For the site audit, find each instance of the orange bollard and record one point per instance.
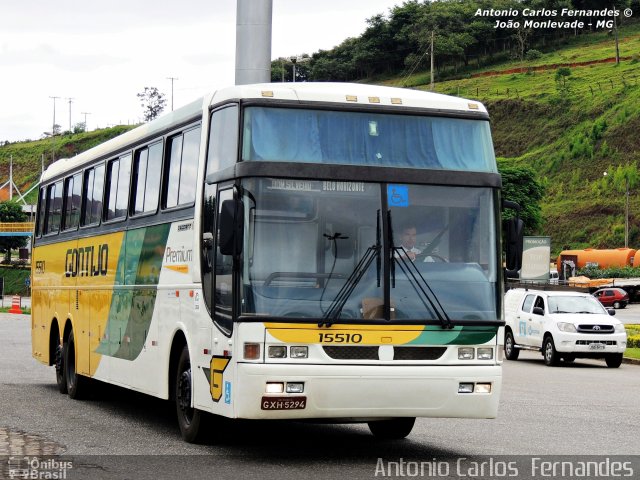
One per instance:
(15, 305)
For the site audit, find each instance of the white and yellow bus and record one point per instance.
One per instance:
(247, 256)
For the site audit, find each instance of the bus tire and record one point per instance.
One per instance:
(77, 385)
(191, 420)
(393, 429)
(510, 350)
(61, 375)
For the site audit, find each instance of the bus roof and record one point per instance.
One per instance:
(336, 93)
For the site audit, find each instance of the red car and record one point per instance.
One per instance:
(612, 297)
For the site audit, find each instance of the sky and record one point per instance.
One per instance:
(101, 54)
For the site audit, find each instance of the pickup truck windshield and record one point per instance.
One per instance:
(316, 249)
(571, 304)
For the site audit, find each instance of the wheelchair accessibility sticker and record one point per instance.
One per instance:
(398, 195)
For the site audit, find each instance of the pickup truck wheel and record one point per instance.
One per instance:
(614, 360)
(550, 353)
(510, 350)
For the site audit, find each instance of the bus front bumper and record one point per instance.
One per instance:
(366, 391)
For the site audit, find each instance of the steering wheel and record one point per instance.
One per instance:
(422, 256)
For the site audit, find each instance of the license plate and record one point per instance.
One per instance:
(596, 346)
(283, 403)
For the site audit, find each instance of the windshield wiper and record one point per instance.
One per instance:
(351, 283)
(422, 288)
(420, 285)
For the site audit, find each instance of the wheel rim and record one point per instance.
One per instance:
(184, 396)
(548, 351)
(508, 344)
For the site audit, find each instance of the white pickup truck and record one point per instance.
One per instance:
(562, 325)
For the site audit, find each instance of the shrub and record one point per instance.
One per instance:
(633, 341)
(533, 54)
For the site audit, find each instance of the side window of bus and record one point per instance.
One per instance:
(223, 139)
(146, 179)
(92, 195)
(72, 196)
(54, 208)
(118, 177)
(41, 211)
(223, 293)
(182, 168)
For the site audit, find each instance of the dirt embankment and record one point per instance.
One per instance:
(541, 68)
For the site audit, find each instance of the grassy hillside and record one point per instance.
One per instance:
(569, 132)
(27, 156)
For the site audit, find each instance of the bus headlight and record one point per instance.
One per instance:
(485, 353)
(299, 352)
(466, 353)
(295, 387)
(277, 351)
(274, 387)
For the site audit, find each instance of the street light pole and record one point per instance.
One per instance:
(626, 210)
(294, 60)
(626, 213)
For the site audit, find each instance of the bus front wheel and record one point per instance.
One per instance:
(190, 420)
(393, 429)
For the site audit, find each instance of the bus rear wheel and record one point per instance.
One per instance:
(61, 376)
(393, 429)
(77, 385)
(191, 420)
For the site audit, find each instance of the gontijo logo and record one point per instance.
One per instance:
(88, 261)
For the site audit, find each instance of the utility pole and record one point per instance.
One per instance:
(294, 60)
(53, 128)
(70, 100)
(626, 212)
(615, 28)
(172, 80)
(432, 38)
(86, 127)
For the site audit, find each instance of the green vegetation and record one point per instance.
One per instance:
(14, 279)
(633, 341)
(28, 155)
(25, 311)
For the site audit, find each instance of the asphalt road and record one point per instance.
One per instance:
(579, 409)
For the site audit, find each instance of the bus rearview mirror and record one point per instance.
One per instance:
(231, 227)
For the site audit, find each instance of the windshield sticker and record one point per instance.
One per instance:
(294, 185)
(398, 195)
(343, 186)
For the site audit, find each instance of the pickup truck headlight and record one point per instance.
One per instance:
(620, 328)
(566, 327)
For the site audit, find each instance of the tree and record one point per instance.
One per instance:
(11, 212)
(519, 185)
(152, 102)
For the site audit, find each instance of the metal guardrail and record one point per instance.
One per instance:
(16, 228)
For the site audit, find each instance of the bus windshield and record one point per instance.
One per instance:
(315, 249)
(363, 138)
